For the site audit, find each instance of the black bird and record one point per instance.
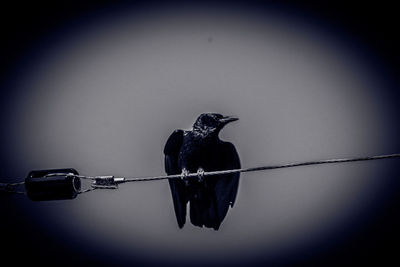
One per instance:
(199, 150)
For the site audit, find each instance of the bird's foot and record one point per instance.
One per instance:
(184, 176)
(200, 174)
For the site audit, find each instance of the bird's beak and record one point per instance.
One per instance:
(228, 119)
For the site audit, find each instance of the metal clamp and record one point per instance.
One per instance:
(106, 182)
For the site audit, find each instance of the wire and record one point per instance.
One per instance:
(87, 190)
(268, 167)
(9, 188)
(110, 182)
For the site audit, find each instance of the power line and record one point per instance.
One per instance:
(263, 168)
(69, 179)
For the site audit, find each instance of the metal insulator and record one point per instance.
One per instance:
(55, 184)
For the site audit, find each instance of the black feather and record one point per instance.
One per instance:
(177, 186)
(201, 148)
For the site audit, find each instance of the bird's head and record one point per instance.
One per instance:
(209, 124)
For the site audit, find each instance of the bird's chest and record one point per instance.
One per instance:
(195, 154)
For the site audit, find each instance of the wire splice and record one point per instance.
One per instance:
(105, 182)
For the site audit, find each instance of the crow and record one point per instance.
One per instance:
(199, 150)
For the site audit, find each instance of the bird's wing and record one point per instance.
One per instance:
(227, 185)
(178, 190)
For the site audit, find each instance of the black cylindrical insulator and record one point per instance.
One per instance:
(53, 184)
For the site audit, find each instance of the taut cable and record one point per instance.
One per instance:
(67, 178)
(263, 168)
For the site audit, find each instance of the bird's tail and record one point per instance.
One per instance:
(204, 212)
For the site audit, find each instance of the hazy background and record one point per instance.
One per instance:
(103, 97)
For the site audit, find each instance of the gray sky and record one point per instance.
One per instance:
(106, 100)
